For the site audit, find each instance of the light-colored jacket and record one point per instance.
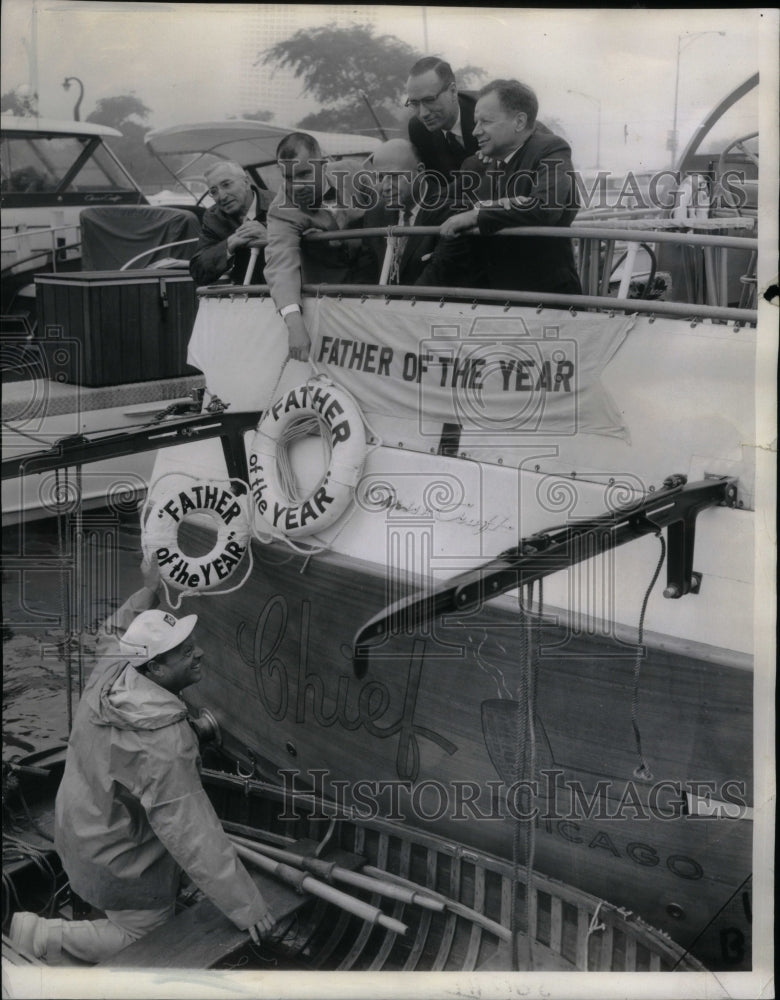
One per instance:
(288, 263)
(131, 810)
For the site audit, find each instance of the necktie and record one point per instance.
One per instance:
(391, 267)
(454, 145)
(404, 219)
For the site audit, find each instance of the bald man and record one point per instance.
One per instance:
(408, 198)
(231, 228)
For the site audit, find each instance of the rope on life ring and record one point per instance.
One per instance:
(316, 405)
(164, 513)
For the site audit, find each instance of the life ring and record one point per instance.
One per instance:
(169, 510)
(342, 424)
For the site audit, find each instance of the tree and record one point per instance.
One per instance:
(340, 65)
(261, 115)
(20, 102)
(117, 111)
(127, 113)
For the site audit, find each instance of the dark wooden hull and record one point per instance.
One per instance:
(430, 736)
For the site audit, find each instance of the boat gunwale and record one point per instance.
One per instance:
(611, 915)
(672, 645)
(684, 311)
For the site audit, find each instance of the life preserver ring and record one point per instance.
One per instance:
(169, 510)
(342, 424)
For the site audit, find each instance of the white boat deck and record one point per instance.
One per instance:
(59, 397)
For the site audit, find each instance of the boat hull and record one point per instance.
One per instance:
(436, 734)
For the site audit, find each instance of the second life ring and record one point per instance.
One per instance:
(340, 421)
(169, 510)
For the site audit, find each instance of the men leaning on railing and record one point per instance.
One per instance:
(409, 259)
(524, 179)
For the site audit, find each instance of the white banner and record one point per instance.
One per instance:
(519, 374)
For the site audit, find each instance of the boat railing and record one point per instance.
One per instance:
(595, 298)
(540, 300)
(165, 246)
(596, 242)
(23, 236)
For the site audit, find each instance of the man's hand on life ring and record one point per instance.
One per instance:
(151, 573)
(299, 340)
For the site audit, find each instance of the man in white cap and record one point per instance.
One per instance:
(131, 811)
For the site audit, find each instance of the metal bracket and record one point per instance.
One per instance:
(80, 449)
(681, 578)
(675, 507)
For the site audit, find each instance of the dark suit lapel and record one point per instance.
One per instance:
(443, 151)
(418, 246)
(467, 125)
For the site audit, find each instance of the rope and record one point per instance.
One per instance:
(524, 833)
(307, 426)
(16, 848)
(523, 840)
(642, 770)
(28, 815)
(78, 542)
(64, 591)
(32, 437)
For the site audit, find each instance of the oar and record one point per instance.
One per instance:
(302, 882)
(328, 871)
(453, 904)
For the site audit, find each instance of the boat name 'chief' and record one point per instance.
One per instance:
(373, 702)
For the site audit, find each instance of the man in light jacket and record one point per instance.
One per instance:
(304, 204)
(131, 811)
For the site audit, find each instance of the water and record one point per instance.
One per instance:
(61, 578)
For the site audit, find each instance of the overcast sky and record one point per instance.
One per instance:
(180, 60)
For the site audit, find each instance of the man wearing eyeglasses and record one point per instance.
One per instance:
(232, 228)
(443, 120)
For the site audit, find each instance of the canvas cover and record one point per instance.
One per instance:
(112, 236)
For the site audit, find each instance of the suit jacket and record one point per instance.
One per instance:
(432, 147)
(425, 259)
(289, 263)
(210, 260)
(542, 171)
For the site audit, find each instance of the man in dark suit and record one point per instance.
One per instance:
(406, 200)
(528, 183)
(441, 126)
(232, 228)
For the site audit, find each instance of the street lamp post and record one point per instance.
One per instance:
(597, 102)
(66, 86)
(689, 38)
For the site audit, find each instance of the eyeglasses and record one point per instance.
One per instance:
(427, 102)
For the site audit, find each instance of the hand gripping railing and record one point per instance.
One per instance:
(693, 312)
(675, 507)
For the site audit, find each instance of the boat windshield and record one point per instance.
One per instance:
(741, 119)
(61, 164)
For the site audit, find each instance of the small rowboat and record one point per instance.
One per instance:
(456, 903)
(473, 930)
